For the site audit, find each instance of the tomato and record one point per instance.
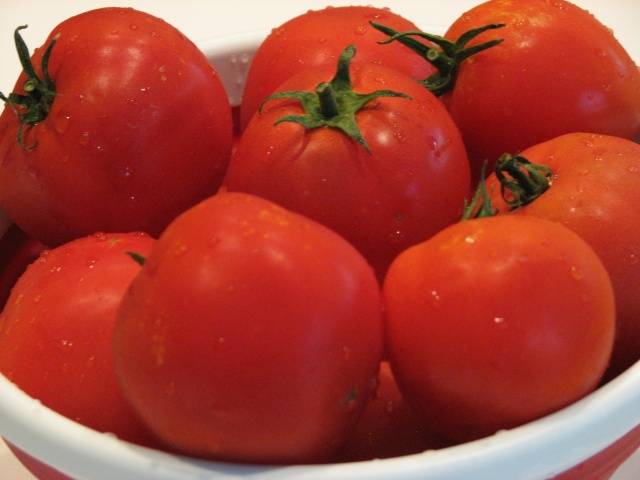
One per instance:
(494, 322)
(388, 427)
(251, 334)
(315, 39)
(558, 70)
(123, 115)
(594, 193)
(17, 251)
(402, 180)
(56, 331)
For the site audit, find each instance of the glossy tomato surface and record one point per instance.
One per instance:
(495, 322)
(139, 130)
(56, 331)
(594, 192)
(558, 70)
(315, 39)
(411, 182)
(252, 334)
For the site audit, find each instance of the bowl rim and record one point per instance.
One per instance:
(597, 421)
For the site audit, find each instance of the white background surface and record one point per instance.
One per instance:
(204, 20)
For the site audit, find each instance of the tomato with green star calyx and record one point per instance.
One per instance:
(589, 183)
(314, 41)
(383, 168)
(555, 70)
(119, 124)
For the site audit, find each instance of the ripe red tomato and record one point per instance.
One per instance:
(497, 321)
(388, 427)
(123, 116)
(594, 192)
(558, 70)
(251, 334)
(56, 331)
(315, 39)
(410, 182)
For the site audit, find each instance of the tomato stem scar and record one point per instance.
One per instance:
(521, 181)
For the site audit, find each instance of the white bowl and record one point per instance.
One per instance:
(536, 451)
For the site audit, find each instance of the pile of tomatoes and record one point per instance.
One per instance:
(320, 277)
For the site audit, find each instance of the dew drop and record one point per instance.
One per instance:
(470, 240)
(577, 273)
(633, 169)
(360, 30)
(62, 122)
(133, 26)
(498, 320)
(84, 138)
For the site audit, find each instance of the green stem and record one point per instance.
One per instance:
(521, 181)
(446, 56)
(34, 106)
(328, 103)
(333, 104)
(480, 205)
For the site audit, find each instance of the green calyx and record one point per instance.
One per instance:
(333, 104)
(34, 105)
(137, 257)
(521, 181)
(446, 55)
(480, 205)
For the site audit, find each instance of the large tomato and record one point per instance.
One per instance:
(56, 331)
(315, 39)
(138, 130)
(558, 70)
(594, 191)
(497, 321)
(385, 175)
(251, 334)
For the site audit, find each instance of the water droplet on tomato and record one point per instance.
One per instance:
(498, 320)
(396, 237)
(435, 298)
(133, 26)
(91, 264)
(360, 30)
(469, 239)
(322, 40)
(576, 273)
(100, 236)
(584, 172)
(84, 138)
(114, 32)
(633, 169)
(633, 259)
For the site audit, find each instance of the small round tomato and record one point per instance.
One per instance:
(315, 39)
(494, 322)
(56, 331)
(251, 334)
(385, 172)
(126, 127)
(594, 192)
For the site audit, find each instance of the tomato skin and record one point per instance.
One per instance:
(495, 322)
(314, 41)
(123, 117)
(558, 71)
(412, 183)
(594, 193)
(388, 427)
(56, 331)
(266, 324)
